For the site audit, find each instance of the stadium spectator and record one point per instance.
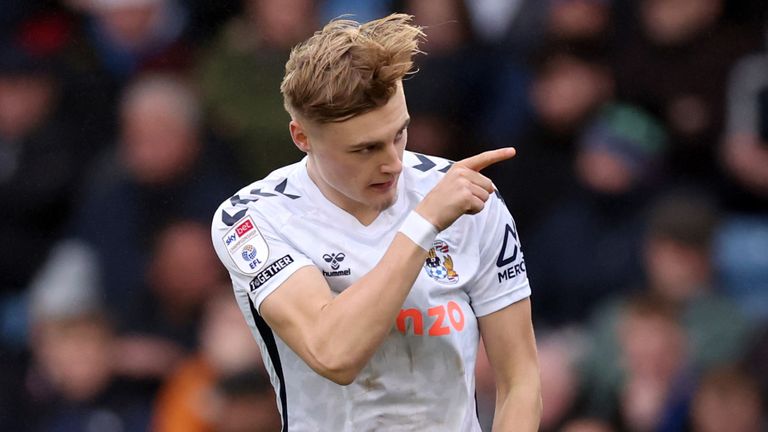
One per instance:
(727, 399)
(163, 169)
(745, 146)
(72, 384)
(694, 47)
(569, 85)
(679, 272)
(161, 325)
(39, 166)
(187, 401)
(245, 402)
(240, 74)
(443, 122)
(586, 248)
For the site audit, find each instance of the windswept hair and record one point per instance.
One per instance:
(348, 68)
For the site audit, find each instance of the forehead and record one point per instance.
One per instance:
(376, 125)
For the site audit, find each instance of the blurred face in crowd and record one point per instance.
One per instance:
(676, 271)
(225, 339)
(603, 172)
(159, 140)
(445, 22)
(283, 23)
(567, 90)
(130, 23)
(356, 163)
(731, 406)
(559, 382)
(578, 19)
(586, 425)
(25, 101)
(669, 22)
(653, 346)
(653, 353)
(184, 269)
(75, 355)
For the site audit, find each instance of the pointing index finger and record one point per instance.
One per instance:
(485, 159)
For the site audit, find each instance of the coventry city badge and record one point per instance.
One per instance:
(439, 264)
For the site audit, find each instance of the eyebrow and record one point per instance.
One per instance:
(374, 143)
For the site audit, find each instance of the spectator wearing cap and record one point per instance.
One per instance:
(71, 383)
(588, 247)
(568, 86)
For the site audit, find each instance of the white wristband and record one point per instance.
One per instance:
(418, 229)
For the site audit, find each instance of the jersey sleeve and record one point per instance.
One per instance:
(501, 277)
(257, 257)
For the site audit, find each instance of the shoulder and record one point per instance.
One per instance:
(424, 171)
(273, 199)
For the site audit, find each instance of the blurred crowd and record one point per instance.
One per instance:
(640, 191)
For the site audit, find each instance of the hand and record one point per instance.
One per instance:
(463, 190)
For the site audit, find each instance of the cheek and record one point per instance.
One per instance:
(340, 173)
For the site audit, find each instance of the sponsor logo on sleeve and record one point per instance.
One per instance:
(270, 271)
(246, 246)
(508, 256)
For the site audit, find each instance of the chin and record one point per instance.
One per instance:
(385, 203)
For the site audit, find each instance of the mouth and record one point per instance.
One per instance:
(384, 186)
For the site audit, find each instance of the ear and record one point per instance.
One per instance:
(299, 136)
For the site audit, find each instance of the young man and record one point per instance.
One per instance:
(368, 273)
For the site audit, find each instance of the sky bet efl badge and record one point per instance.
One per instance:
(246, 246)
(439, 264)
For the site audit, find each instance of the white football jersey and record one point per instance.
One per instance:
(422, 376)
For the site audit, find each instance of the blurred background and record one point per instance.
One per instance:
(640, 191)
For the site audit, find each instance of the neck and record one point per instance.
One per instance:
(364, 215)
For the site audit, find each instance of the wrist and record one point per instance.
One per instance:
(419, 230)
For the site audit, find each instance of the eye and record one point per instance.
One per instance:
(365, 150)
(400, 135)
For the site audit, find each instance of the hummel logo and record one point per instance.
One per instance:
(334, 259)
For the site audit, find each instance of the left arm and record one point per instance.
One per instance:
(511, 347)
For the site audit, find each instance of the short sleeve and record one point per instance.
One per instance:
(501, 278)
(257, 257)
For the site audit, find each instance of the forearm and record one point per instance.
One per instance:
(518, 408)
(352, 326)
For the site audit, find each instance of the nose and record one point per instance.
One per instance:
(393, 163)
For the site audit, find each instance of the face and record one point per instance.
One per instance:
(567, 91)
(24, 103)
(356, 163)
(158, 142)
(669, 22)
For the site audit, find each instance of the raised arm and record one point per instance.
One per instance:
(337, 336)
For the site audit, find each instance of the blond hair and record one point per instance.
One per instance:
(348, 68)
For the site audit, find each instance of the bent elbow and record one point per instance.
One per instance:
(342, 371)
(342, 379)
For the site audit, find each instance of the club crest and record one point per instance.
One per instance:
(439, 264)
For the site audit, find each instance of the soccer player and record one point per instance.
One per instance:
(367, 273)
